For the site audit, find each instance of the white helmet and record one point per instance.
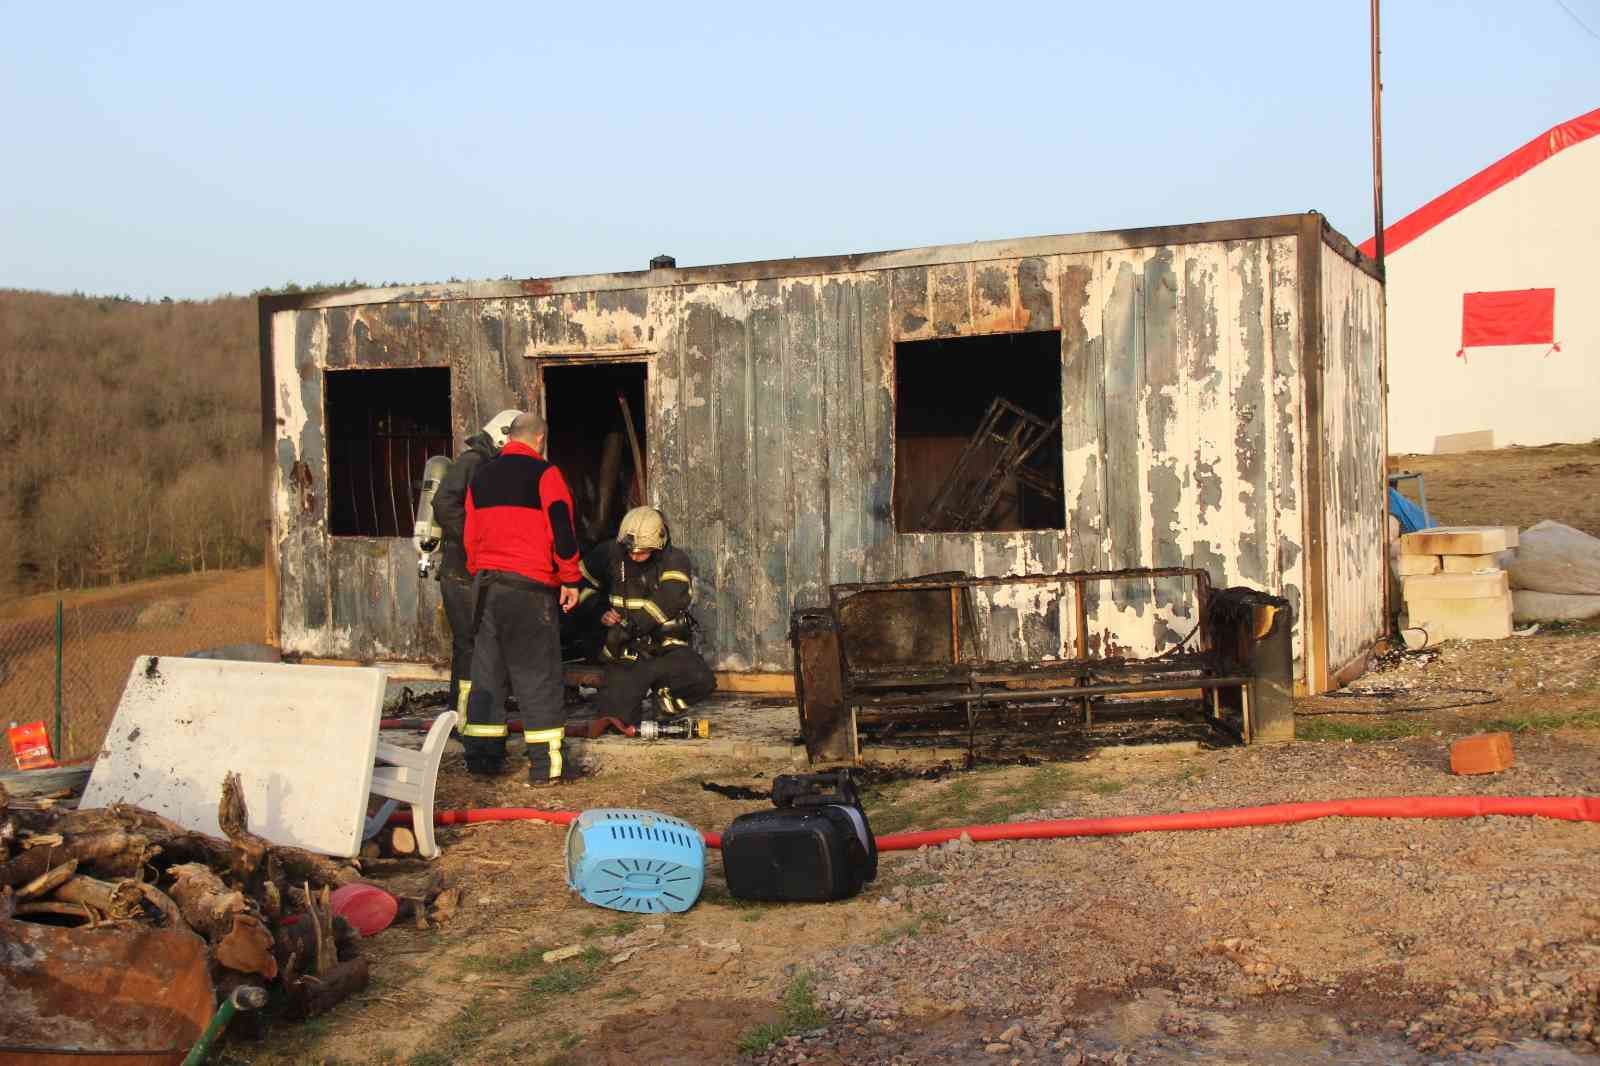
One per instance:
(498, 428)
(643, 529)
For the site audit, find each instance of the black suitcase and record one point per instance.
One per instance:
(817, 846)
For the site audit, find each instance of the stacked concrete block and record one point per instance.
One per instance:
(1452, 583)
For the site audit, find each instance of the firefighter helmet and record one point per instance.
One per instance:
(643, 529)
(498, 428)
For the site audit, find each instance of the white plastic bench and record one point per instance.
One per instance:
(409, 778)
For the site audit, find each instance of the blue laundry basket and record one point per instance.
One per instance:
(634, 860)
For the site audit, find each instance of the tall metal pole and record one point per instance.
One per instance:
(1377, 143)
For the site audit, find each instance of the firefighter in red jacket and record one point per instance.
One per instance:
(522, 551)
(648, 628)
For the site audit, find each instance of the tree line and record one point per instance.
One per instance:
(129, 439)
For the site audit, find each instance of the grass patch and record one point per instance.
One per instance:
(800, 1013)
(914, 926)
(969, 800)
(1543, 723)
(526, 961)
(470, 1027)
(620, 927)
(1320, 728)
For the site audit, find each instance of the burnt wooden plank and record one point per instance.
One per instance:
(1000, 554)
(384, 335)
(337, 354)
(1083, 417)
(734, 383)
(308, 479)
(909, 295)
(617, 319)
(809, 449)
(1124, 376)
(1248, 351)
(950, 299)
(839, 356)
(1035, 294)
(1042, 632)
(363, 611)
(1167, 437)
(994, 297)
(521, 341)
(768, 475)
(1285, 393)
(879, 551)
(574, 334)
(405, 640)
(700, 526)
(664, 435)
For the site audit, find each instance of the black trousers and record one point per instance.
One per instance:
(517, 645)
(625, 686)
(457, 596)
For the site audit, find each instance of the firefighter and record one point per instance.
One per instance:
(648, 645)
(450, 512)
(522, 551)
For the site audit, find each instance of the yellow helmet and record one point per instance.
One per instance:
(643, 529)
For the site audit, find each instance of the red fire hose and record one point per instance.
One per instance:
(1566, 808)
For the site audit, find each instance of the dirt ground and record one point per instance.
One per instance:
(1509, 486)
(1340, 940)
(104, 630)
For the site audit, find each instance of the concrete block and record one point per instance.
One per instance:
(1485, 753)
(1471, 564)
(1412, 565)
(1481, 619)
(1481, 440)
(1459, 540)
(1457, 586)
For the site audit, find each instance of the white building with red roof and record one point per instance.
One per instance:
(1494, 302)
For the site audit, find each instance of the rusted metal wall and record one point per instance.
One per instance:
(1354, 509)
(771, 430)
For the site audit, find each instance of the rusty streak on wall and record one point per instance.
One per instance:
(771, 429)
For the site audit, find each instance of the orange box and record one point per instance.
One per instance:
(1485, 753)
(30, 745)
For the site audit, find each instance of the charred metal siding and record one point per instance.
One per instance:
(1187, 411)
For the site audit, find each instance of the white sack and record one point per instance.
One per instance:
(1552, 557)
(1529, 606)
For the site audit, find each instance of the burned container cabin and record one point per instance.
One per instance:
(1206, 396)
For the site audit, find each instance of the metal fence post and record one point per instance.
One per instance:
(61, 751)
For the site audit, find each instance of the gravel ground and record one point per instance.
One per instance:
(1340, 940)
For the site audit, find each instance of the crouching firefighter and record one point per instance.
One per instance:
(522, 551)
(648, 645)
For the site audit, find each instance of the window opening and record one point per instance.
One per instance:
(597, 425)
(978, 433)
(382, 427)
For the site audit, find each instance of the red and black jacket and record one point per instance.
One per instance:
(519, 518)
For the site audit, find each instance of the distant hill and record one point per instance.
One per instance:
(129, 439)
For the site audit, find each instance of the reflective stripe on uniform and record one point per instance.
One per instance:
(674, 575)
(584, 570)
(649, 607)
(461, 699)
(673, 642)
(551, 738)
(483, 729)
(585, 594)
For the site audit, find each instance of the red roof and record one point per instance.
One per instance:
(1486, 181)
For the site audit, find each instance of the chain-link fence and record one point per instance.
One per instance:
(66, 665)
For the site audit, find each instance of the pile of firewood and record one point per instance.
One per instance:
(263, 909)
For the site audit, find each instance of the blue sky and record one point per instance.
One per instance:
(194, 149)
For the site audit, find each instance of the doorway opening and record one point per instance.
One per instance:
(977, 433)
(382, 426)
(597, 426)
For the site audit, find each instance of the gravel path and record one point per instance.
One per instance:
(1340, 940)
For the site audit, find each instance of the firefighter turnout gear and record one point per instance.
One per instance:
(521, 547)
(649, 649)
(455, 582)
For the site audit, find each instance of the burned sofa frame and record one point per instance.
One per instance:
(911, 654)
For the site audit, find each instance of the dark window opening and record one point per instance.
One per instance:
(382, 425)
(597, 437)
(977, 434)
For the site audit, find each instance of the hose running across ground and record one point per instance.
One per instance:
(1565, 808)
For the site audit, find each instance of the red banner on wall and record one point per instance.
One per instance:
(1527, 316)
